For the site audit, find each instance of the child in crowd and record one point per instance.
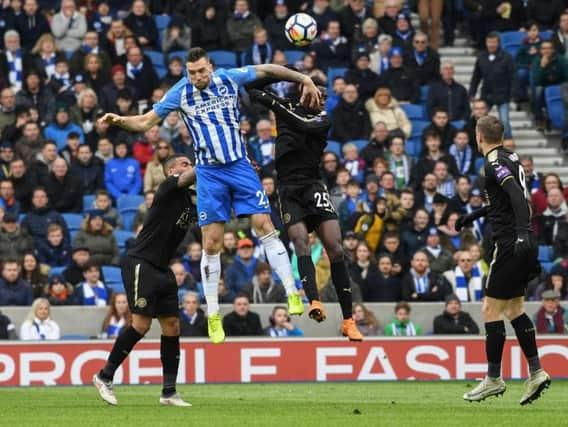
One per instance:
(92, 291)
(110, 214)
(352, 162)
(118, 316)
(401, 324)
(280, 324)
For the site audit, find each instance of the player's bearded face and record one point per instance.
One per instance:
(199, 73)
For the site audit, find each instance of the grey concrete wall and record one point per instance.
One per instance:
(88, 320)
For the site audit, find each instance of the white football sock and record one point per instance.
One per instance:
(278, 258)
(210, 275)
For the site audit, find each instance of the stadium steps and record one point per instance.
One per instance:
(545, 148)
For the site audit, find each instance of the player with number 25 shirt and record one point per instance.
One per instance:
(304, 199)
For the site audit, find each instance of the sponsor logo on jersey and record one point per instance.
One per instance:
(502, 171)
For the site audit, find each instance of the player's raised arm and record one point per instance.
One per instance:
(139, 123)
(310, 93)
(467, 219)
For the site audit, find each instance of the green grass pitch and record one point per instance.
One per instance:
(292, 405)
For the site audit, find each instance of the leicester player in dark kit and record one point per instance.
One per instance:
(149, 283)
(514, 263)
(304, 199)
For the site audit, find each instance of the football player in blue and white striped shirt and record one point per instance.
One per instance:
(207, 101)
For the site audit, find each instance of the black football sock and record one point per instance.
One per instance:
(169, 354)
(308, 277)
(494, 343)
(342, 283)
(122, 347)
(524, 329)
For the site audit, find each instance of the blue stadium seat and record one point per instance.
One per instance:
(545, 253)
(223, 58)
(127, 216)
(160, 71)
(414, 111)
(129, 201)
(21, 217)
(179, 53)
(418, 127)
(334, 72)
(478, 164)
(547, 266)
(546, 35)
(73, 220)
(88, 201)
(458, 124)
(56, 270)
(121, 237)
(293, 56)
(334, 147)
(69, 54)
(511, 41)
(413, 147)
(156, 57)
(161, 21)
(113, 278)
(424, 90)
(359, 143)
(554, 106)
(72, 234)
(244, 59)
(75, 337)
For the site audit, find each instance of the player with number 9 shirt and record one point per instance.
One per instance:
(304, 199)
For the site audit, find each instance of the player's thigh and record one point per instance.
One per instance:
(247, 193)
(493, 309)
(508, 275)
(140, 284)
(167, 302)
(213, 195)
(329, 233)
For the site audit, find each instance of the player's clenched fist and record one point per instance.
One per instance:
(111, 119)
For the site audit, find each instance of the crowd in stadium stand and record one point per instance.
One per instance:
(401, 164)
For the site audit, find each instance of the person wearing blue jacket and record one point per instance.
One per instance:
(122, 173)
(13, 289)
(54, 251)
(241, 272)
(62, 126)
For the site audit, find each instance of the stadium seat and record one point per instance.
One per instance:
(511, 41)
(546, 35)
(73, 220)
(545, 253)
(244, 59)
(547, 266)
(458, 124)
(161, 21)
(334, 72)
(418, 127)
(223, 58)
(88, 202)
(179, 53)
(113, 278)
(478, 164)
(554, 106)
(424, 90)
(72, 234)
(359, 143)
(413, 147)
(414, 111)
(156, 57)
(69, 54)
(293, 56)
(121, 237)
(334, 147)
(21, 217)
(56, 270)
(127, 216)
(75, 337)
(160, 71)
(129, 201)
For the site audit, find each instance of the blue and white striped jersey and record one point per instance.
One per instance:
(211, 115)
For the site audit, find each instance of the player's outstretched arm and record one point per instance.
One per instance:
(467, 220)
(140, 123)
(310, 93)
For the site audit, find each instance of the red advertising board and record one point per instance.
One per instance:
(275, 360)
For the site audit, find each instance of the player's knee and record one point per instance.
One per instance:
(335, 252)
(170, 326)
(301, 247)
(142, 326)
(262, 224)
(212, 246)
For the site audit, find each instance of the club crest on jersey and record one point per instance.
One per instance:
(223, 90)
(202, 216)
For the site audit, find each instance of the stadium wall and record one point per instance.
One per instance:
(275, 360)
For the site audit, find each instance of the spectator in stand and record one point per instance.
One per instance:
(71, 149)
(495, 15)
(379, 59)
(392, 247)
(424, 198)
(142, 211)
(8, 201)
(400, 164)
(89, 170)
(58, 291)
(105, 150)
(450, 238)
(32, 274)
(560, 37)
(242, 271)
(423, 61)
(439, 258)
(441, 125)
(453, 320)
(462, 153)
(274, 24)
(34, 94)
(59, 130)
(86, 110)
(15, 240)
(90, 46)
(170, 127)
(103, 202)
(527, 52)
(329, 168)
(350, 204)
(13, 289)
(177, 36)
(439, 209)
(446, 183)
(376, 147)
(31, 24)
(479, 109)
(448, 95)
(92, 291)
(262, 147)
(175, 72)
(97, 236)
(363, 269)
(30, 144)
(139, 73)
(556, 281)
(466, 279)
(68, 26)
(241, 321)
(261, 50)
(532, 177)
(122, 173)
(192, 260)
(415, 237)
(352, 16)
(497, 70)
(400, 79)
(545, 13)
(402, 37)
(45, 55)
(117, 84)
(387, 22)
(553, 216)
(353, 163)
(551, 318)
(401, 325)
(7, 328)
(422, 284)
(263, 289)
(459, 202)
(38, 325)
(308, 67)
(154, 174)
(118, 316)
(388, 286)
(431, 156)
(322, 13)
(7, 108)
(365, 80)
(349, 119)
(64, 190)
(6, 157)
(142, 25)
(210, 31)
(240, 26)
(41, 215)
(185, 281)
(193, 322)
(14, 60)
(280, 324)
(384, 108)
(55, 252)
(548, 69)
(332, 49)
(366, 40)
(80, 257)
(366, 321)
(539, 198)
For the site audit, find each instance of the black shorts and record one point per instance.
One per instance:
(509, 275)
(151, 291)
(309, 203)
